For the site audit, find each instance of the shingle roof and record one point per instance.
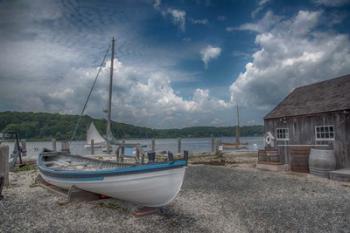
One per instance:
(326, 96)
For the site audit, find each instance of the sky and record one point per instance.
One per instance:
(178, 63)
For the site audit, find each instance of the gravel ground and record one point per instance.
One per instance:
(213, 199)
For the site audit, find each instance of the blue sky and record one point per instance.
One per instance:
(179, 63)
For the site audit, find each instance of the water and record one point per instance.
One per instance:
(190, 144)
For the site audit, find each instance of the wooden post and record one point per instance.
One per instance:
(137, 154)
(179, 145)
(65, 146)
(123, 147)
(53, 141)
(122, 150)
(153, 144)
(212, 144)
(238, 142)
(92, 146)
(4, 165)
(219, 148)
(117, 154)
(217, 143)
(24, 147)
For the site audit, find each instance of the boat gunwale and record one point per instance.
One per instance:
(116, 171)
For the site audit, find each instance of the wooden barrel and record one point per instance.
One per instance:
(321, 162)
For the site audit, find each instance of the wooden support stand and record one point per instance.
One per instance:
(145, 211)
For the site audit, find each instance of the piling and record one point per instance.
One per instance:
(53, 141)
(65, 146)
(123, 147)
(212, 144)
(24, 147)
(153, 144)
(4, 164)
(179, 145)
(92, 146)
(217, 144)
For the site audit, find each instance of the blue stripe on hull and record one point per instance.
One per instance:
(65, 180)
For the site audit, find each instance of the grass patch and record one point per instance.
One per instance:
(26, 167)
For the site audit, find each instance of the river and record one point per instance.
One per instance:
(190, 144)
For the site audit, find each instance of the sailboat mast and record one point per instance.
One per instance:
(108, 130)
(237, 128)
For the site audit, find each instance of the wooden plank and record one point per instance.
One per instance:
(144, 211)
(4, 164)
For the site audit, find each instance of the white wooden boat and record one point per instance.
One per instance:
(151, 184)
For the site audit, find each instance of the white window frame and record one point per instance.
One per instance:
(286, 134)
(325, 139)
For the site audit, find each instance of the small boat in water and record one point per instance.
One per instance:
(152, 184)
(93, 134)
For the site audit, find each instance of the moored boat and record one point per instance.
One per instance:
(93, 134)
(150, 184)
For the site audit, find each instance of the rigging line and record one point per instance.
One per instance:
(88, 97)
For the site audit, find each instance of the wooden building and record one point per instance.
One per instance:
(316, 115)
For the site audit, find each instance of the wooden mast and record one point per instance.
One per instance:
(237, 128)
(108, 130)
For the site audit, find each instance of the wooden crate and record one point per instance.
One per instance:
(268, 156)
(299, 159)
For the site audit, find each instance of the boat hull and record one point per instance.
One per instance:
(153, 189)
(150, 184)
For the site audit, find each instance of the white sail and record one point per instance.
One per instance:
(93, 134)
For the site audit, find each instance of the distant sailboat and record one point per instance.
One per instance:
(93, 134)
(237, 144)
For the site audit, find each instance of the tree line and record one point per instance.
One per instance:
(44, 126)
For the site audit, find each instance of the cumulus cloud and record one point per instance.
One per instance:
(292, 52)
(209, 53)
(261, 5)
(178, 17)
(46, 67)
(266, 23)
(138, 98)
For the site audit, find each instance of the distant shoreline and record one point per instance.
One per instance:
(44, 126)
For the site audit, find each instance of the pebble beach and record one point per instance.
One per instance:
(213, 199)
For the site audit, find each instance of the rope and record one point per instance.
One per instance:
(88, 97)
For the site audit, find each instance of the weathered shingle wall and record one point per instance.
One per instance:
(302, 132)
